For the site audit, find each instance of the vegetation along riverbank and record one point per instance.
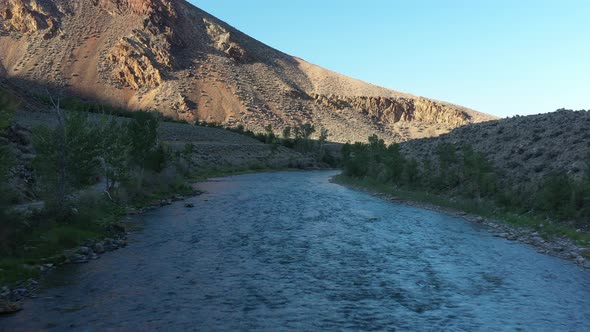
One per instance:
(70, 176)
(552, 215)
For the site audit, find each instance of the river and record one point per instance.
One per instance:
(292, 251)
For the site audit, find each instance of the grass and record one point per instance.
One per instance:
(486, 209)
(44, 241)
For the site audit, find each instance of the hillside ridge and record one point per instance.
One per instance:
(174, 57)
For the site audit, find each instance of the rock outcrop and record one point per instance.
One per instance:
(222, 41)
(29, 16)
(393, 110)
(139, 7)
(135, 64)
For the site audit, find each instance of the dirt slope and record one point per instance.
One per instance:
(186, 63)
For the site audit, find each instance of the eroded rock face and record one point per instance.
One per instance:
(29, 16)
(393, 110)
(135, 65)
(222, 41)
(139, 7)
(140, 59)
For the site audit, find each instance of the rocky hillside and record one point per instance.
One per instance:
(174, 57)
(524, 148)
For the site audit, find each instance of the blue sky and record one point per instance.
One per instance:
(503, 57)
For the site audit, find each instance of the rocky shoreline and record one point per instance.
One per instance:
(561, 247)
(91, 250)
(10, 297)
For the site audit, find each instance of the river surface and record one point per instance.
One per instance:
(292, 251)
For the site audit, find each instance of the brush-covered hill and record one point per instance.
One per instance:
(171, 56)
(525, 149)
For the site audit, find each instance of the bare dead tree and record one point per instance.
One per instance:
(61, 138)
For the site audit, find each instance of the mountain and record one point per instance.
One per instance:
(173, 57)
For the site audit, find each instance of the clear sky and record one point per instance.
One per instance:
(503, 57)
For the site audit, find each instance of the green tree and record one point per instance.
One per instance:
(67, 156)
(411, 173)
(307, 130)
(556, 196)
(287, 133)
(395, 162)
(270, 135)
(113, 150)
(321, 153)
(583, 203)
(447, 178)
(478, 178)
(143, 138)
(7, 108)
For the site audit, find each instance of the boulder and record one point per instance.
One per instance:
(9, 307)
(99, 248)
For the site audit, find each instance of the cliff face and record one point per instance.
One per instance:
(393, 110)
(29, 16)
(171, 56)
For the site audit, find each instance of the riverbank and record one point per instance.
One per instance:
(545, 236)
(22, 276)
(73, 243)
(292, 251)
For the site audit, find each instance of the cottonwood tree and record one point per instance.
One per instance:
(321, 143)
(7, 108)
(67, 156)
(145, 151)
(287, 133)
(113, 151)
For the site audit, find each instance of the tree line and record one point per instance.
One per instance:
(76, 153)
(298, 138)
(460, 171)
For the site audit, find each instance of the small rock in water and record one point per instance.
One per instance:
(47, 266)
(189, 205)
(121, 243)
(580, 260)
(77, 259)
(479, 219)
(84, 251)
(99, 248)
(9, 307)
(21, 291)
(118, 227)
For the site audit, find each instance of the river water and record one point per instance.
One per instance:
(292, 251)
